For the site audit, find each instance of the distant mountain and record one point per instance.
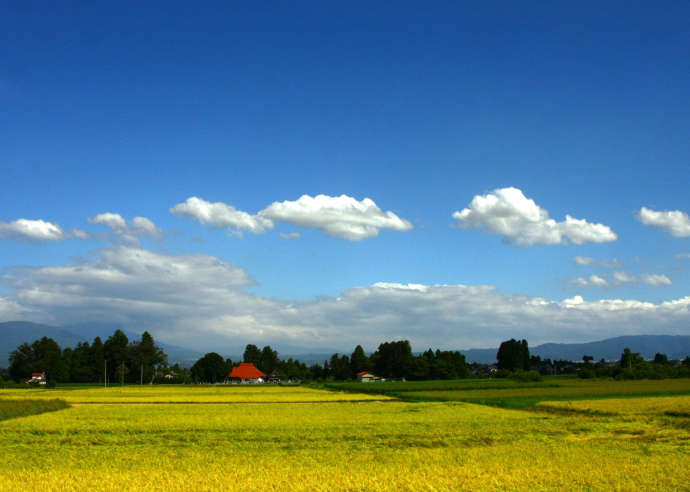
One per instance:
(674, 346)
(14, 333)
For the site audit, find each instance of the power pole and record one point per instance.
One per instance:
(122, 374)
(141, 377)
(105, 373)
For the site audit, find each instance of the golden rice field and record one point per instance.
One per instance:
(663, 405)
(189, 394)
(362, 445)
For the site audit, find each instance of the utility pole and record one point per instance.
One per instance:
(105, 373)
(141, 377)
(122, 374)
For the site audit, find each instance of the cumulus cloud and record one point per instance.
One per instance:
(591, 281)
(674, 222)
(584, 260)
(127, 233)
(221, 215)
(31, 230)
(508, 212)
(341, 216)
(289, 235)
(655, 279)
(202, 302)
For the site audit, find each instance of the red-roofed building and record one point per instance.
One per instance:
(37, 378)
(246, 372)
(367, 377)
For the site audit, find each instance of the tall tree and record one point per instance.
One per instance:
(115, 350)
(97, 360)
(393, 359)
(210, 368)
(21, 362)
(358, 361)
(513, 355)
(252, 354)
(269, 360)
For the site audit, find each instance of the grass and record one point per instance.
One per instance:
(514, 394)
(10, 409)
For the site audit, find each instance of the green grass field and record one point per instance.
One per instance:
(136, 439)
(513, 394)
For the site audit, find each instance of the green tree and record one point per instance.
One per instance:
(144, 357)
(660, 359)
(393, 359)
(513, 355)
(358, 361)
(252, 354)
(97, 360)
(21, 362)
(268, 360)
(82, 367)
(116, 352)
(630, 359)
(211, 368)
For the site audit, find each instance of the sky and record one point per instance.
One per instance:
(314, 175)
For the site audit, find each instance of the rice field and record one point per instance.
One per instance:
(189, 394)
(661, 406)
(333, 445)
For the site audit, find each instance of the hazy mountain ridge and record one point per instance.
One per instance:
(674, 346)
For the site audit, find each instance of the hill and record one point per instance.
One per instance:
(675, 346)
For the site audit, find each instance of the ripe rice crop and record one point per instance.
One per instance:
(337, 446)
(663, 405)
(189, 394)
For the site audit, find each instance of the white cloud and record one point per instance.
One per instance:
(130, 234)
(674, 222)
(109, 219)
(591, 281)
(79, 234)
(340, 216)
(508, 212)
(683, 255)
(31, 230)
(655, 279)
(221, 215)
(623, 278)
(609, 263)
(201, 302)
(289, 235)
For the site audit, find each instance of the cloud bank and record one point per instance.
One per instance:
(201, 302)
(508, 212)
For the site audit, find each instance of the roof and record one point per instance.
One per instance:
(246, 370)
(37, 374)
(362, 373)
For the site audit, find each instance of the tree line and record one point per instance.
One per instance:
(118, 360)
(392, 360)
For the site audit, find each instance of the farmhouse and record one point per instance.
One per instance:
(37, 378)
(366, 377)
(246, 372)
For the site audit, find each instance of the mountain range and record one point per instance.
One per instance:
(14, 333)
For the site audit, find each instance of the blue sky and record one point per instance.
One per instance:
(132, 110)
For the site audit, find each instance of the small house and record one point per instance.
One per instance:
(37, 378)
(275, 377)
(246, 372)
(366, 377)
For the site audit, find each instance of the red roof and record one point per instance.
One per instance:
(362, 373)
(37, 374)
(246, 370)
